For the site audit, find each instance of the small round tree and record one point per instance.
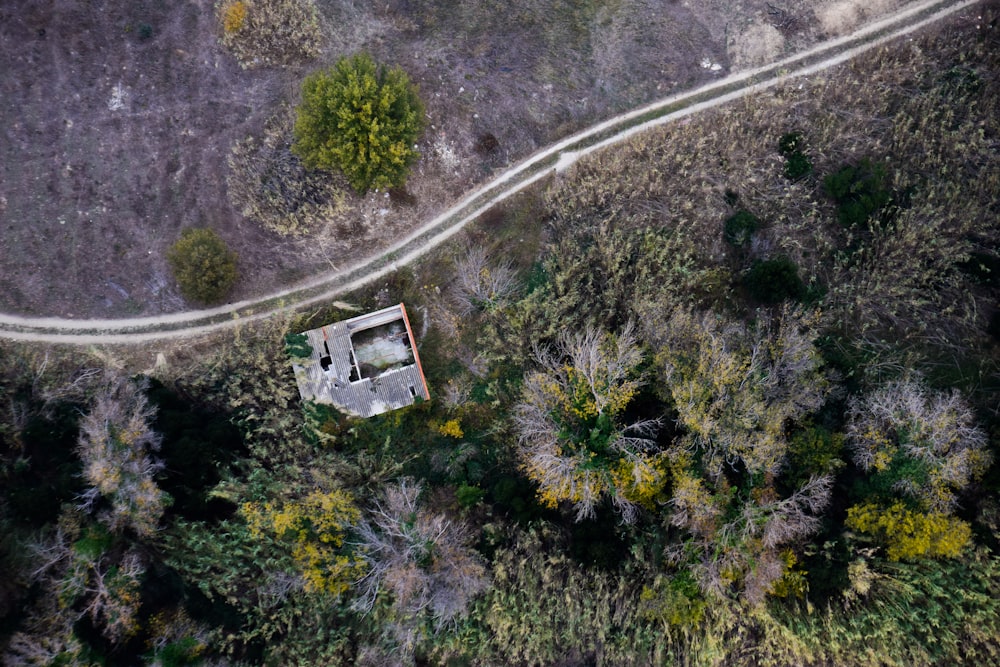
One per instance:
(361, 118)
(203, 265)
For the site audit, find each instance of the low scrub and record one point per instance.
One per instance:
(269, 185)
(774, 280)
(265, 33)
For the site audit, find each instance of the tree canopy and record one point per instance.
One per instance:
(203, 265)
(361, 118)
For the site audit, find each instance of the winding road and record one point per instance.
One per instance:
(557, 157)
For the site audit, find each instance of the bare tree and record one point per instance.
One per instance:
(80, 581)
(478, 285)
(425, 561)
(569, 422)
(935, 429)
(746, 551)
(116, 442)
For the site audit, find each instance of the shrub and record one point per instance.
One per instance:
(739, 227)
(797, 166)
(297, 346)
(487, 143)
(859, 190)
(204, 267)
(774, 280)
(468, 495)
(270, 32)
(233, 16)
(361, 118)
(790, 143)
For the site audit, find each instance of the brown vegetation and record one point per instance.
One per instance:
(149, 103)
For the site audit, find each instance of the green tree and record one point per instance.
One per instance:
(203, 265)
(361, 118)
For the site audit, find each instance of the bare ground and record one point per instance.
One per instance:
(118, 116)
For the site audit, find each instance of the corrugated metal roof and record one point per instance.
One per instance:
(363, 366)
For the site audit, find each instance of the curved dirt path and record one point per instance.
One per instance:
(557, 157)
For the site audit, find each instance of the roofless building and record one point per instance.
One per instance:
(363, 366)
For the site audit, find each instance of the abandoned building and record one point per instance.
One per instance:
(363, 366)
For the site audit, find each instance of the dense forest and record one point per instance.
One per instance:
(726, 394)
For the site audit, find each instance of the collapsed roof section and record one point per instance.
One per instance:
(363, 366)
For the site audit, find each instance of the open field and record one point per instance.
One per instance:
(509, 182)
(119, 119)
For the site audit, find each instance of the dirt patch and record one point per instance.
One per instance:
(118, 119)
(842, 16)
(758, 44)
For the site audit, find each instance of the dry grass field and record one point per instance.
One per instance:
(119, 119)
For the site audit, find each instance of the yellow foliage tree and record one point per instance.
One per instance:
(908, 534)
(736, 387)
(233, 16)
(315, 527)
(451, 428)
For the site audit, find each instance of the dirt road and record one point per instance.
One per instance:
(542, 164)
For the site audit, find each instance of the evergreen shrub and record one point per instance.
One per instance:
(739, 227)
(859, 191)
(203, 265)
(774, 280)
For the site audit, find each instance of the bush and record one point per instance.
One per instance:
(790, 143)
(204, 267)
(774, 280)
(797, 164)
(361, 118)
(262, 33)
(739, 227)
(859, 190)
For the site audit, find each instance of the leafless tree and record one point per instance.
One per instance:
(116, 442)
(588, 377)
(83, 583)
(936, 428)
(478, 285)
(735, 387)
(425, 561)
(747, 549)
(112, 595)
